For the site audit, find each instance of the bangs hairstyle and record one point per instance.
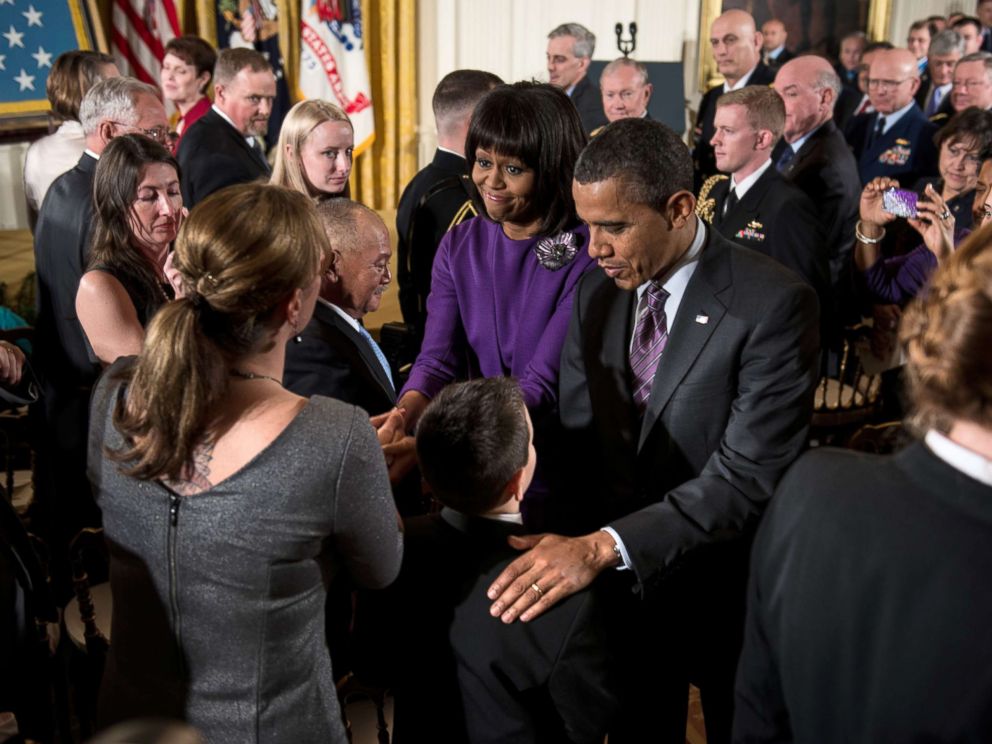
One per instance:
(471, 440)
(537, 123)
(301, 120)
(194, 51)
(971, 128)
(945, 333)
(241, 255)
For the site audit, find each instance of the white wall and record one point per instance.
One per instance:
(509, 37)
(13, 206)
(904, 12)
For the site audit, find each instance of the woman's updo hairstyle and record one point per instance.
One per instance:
(537, 123)
(241, 254)
(946, 333)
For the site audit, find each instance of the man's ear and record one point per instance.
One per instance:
(106, 131)
(513, 489)
(334, 266)
(220, 92)
(681, 209)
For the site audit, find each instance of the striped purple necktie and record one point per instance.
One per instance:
(650, 337)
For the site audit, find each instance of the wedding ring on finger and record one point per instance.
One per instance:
(945, 215)
(536, 588)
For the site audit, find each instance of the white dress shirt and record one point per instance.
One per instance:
(49, 158)
(960, 457)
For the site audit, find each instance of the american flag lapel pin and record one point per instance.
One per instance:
(702, 319)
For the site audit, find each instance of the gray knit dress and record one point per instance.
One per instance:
(219, 597)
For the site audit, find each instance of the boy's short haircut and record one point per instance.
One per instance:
(471, 440)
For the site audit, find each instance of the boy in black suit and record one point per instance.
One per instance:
(458, 674)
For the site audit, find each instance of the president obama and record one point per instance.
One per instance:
(686, 390)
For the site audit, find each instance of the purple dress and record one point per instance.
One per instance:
(494, 309)
(899, 279)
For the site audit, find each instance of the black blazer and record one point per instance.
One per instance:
(212, 155)
(847, 103)
(459, 674)
(334, 360)
(867, 606)
(589, 103)
(827, 172)
(728, 411)
(435, 200)
(702, 154)
(61, 251)
(776, 218)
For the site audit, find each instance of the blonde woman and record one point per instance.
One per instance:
(314, 153)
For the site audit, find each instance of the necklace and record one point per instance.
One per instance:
(252, 376)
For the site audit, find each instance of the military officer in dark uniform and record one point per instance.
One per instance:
(737, 48)
(755, 206)
(897, 140)
(438, 197)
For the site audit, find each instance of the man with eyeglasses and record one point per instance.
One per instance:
(63, 505)
(897, 140)
(225, 147)
(625, 89)
(972, 83)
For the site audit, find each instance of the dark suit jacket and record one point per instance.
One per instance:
(703, 159)
(776, 218)
(589, 103)
(943, 113)
(459, 674)
(921, 93)
(827, 172)
(906, 152)
(867, 612)
(847, 104)
(61, 250)
(335, 361)
(728, 411)
(212, 155)
(847, 79)
(784, 56)
(435, 200)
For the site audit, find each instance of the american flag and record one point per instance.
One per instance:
(32, 34)
(141, 30)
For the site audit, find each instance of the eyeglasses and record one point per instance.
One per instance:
(966, 84)
(160, 134)
(885, 84)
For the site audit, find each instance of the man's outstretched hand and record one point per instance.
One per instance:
(553, 568)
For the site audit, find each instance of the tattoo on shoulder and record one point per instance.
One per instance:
(195, 476)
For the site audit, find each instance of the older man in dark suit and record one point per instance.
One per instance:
(439, 196)
(225, 146)
(737, 48)
(674, 441)
(897, 140)
(335, 355)
(61, 249)
(814, 156)
(570, 48)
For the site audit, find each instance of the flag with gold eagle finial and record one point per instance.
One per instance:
(332, 62)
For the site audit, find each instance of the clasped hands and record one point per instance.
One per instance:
(398, 447)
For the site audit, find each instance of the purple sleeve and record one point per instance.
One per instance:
(897, 280)
(539, 383)
(441, 355)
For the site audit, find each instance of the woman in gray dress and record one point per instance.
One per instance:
(228, 501)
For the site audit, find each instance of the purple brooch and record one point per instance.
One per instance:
(556, 251)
